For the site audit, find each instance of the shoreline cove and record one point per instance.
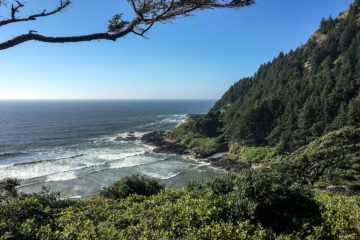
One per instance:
(160, 143)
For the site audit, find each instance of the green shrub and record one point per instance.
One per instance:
(332, 158)
(254, 205)
(264, 197)
(210, 145)
(251, 153)
(27, 216)
(257, 154)
(134, 184)
(8, 189)
(340, 216)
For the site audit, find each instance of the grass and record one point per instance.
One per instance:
(251, 154)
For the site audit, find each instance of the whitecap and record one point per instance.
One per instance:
(61, 176)
(176, 118)
(162, 176)
(136, 161)
(117, 156)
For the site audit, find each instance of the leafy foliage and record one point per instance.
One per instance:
(333, 158)
(250, 205)
(251, 153)
(264, 197)
(8, 189)
(134, 184)
(201, 137)
(27, 216)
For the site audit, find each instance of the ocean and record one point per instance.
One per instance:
(75, 147)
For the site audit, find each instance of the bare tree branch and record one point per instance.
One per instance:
(81, 38)
(143, 31)
(15, 10)
(147, 12)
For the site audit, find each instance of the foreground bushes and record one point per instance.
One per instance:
(250, 205)
(132, 185)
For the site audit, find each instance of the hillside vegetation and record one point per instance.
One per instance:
(296, 97)
(251, 205)
(291, 102)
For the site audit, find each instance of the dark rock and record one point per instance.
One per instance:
(162, 144)
(156, 138)
(203, 153)
(130, 137)
(218, 155)
(333, 189)
(337, 189)
(229, 165)
(171, 149)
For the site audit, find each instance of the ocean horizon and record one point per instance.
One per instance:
(76, 147)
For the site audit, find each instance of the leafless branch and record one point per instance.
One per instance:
(142, 31)
(15, 10)
(147, 12)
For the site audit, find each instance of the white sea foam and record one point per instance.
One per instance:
(111, 138)
(179, 118)
(201, 164)
(176, 118)
(61, 164)
(116, 156)
(139, 134)
(37, 170)
(118, 136)
(135, 161)
(65, 168)
(162, 176)
(125, 164)
(74, 197)
(62, 176)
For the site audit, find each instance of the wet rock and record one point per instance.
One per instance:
(337, 189)
(130, 137)
(229, 165)
(156, 138)
(162, 144)
(171, 149)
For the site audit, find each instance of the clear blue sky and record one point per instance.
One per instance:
(197, 57)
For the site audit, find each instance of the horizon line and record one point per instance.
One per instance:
(110, 99)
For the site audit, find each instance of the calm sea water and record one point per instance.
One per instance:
(72, 146)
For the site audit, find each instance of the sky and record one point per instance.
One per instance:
(196, 57)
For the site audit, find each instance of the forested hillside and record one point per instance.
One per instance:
(295, 98)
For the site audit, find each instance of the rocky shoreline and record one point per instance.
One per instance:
(162, 144)
(160, 140)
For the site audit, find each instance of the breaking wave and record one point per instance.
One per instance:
(10, 154)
